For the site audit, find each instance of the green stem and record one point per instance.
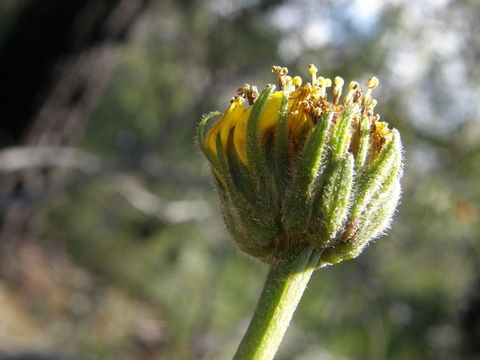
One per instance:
(286, 281)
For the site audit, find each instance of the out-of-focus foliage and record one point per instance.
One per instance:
(152, 274)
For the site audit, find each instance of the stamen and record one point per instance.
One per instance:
(288, 84)
(353, 88)
(370, 107)
(243, 90)
(307, 105)
(313, 70)
(281, 74)
(381, 129)
(248, 92)
(252, 95)
(337, 90)
(324, 83)
(372, 83)
(357, 96)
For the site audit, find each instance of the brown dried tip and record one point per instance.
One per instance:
(282, 73)
(248, 92)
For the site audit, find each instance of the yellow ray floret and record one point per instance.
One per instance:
(225, 124)
(305, 104)
(268, 119)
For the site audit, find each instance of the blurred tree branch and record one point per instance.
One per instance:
(23, 158)
(53, 64)
(27, 157)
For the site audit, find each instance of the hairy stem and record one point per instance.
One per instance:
(285, 284)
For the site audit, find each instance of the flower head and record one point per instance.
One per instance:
(302, 166)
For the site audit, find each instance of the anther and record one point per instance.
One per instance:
(297, 81)
(248, 92)
(243, 90)
(281, 74)
(323, 83)
(372, 83)
(337, 89)
(252, 95)
(276, 69)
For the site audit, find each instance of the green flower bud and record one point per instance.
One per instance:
(294, 168)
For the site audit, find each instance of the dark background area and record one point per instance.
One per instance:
(111, 240)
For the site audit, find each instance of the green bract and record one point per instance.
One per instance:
(295, 169)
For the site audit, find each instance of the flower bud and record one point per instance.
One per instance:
(294, 168)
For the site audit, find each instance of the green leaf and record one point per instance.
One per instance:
(363, 143)
(250, 220)
(241, 176)
(370, 181)
(379, 210)
(335, 201)
(301, 192)
(281, 154)
(341, 133)
(233, 193)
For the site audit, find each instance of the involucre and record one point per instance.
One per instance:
(301, 166)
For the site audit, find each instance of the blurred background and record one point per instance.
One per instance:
(111, 241)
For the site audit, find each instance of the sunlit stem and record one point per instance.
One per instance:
(285, 284)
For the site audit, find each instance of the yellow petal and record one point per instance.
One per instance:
(211, 137)
(232, 117)
(225, 124)
(239, 136)
(270, 113)
(269, 117)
